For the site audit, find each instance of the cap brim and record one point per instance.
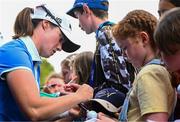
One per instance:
(71, 13)
(68, 46)
(107, 105)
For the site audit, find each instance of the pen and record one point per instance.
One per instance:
(71, 81)
(83, 106)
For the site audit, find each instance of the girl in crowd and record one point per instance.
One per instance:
(81, 67)
(152, 95)
(65, 67)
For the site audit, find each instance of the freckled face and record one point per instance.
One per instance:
(134, 50)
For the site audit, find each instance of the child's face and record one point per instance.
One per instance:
(84, 21)
(66, 72)
(172, 61)
(55, 85)
(134, 50)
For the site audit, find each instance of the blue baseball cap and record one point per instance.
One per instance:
(110, 99)
(94, 4)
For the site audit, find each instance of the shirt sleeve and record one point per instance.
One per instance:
(13, 56)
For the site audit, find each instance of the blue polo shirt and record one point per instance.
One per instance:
(16, 54)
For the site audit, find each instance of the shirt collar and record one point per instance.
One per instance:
(31, 48)
(102, 25)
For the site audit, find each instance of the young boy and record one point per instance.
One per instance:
(110, 68)
(167, 39)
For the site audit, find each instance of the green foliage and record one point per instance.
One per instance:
(46, 68)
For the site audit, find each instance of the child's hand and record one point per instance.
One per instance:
(104, 118)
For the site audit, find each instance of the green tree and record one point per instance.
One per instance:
(46, 68)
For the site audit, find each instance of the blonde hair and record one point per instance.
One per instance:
(54, 75)
(68, 60)
(82, 66)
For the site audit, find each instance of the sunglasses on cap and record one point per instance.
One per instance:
(56, 19)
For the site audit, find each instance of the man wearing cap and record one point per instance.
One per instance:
(110, 68)
(38, 33)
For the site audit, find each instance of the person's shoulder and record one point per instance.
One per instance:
(156, 74)
(13, 50)
(154, 69)
(106, 26)
(12, 45)
(104, 32)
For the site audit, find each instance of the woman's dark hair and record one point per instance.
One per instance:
(24, 25)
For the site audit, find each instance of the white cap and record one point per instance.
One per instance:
(43, 12)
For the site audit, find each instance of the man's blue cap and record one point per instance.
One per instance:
(94, 4)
